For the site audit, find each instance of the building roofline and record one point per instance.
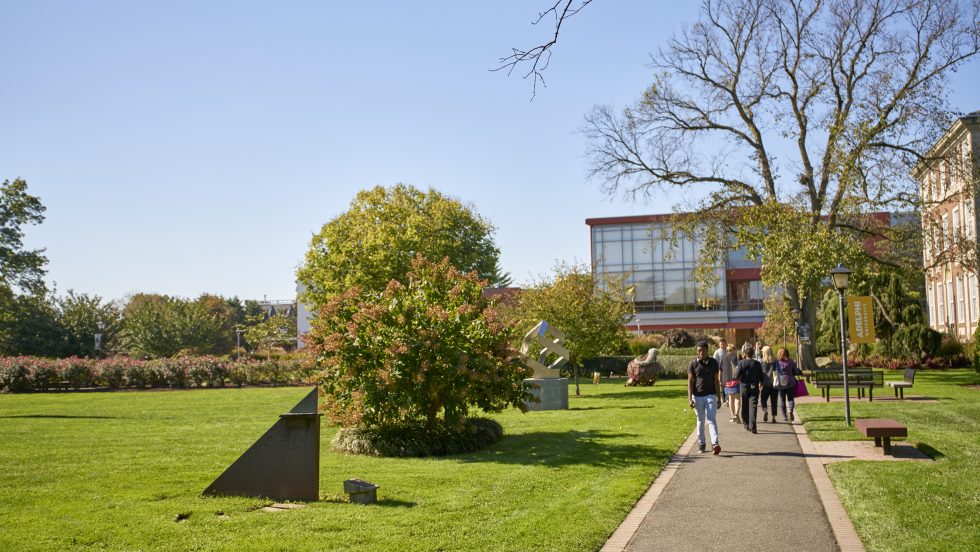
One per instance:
(960, 125)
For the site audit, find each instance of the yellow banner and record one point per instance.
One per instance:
(861, 320)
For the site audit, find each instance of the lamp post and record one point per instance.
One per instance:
(238, 343)
(98, 339)
(795, 313)
(840, 275)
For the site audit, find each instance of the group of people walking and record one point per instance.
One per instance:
(739, 379)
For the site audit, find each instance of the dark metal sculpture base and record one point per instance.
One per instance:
(284, 464)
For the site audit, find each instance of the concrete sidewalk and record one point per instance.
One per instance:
(758, 494)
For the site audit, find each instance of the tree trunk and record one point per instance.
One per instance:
(575, 368)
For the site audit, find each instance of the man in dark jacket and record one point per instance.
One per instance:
(749, 373)
(704, 392)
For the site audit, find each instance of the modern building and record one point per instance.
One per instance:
(948, 186)
(639, 248)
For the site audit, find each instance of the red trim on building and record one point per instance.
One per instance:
(741, 274)
(731, 325)
(629, 220)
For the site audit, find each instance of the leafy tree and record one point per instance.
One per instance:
(162, 326)
(266, 332)
(79, 315)
(29, 325)
(427, 350)
(591, 316)
(384, 229)
(19, 268)
(848, 93)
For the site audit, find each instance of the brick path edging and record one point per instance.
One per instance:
(624, 533)
(847, 537)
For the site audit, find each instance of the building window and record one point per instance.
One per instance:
(940, 307)
(931, 303)
(974, 299)
(949, 303)
(944, 235)
(660, 271)
(960, 301)
(956, 223)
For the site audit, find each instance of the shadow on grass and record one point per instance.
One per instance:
(611, 407)
(570, 448)
(929, 451)
(651, 393)
(64, 417)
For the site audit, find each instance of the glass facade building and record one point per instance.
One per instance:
(660, 267)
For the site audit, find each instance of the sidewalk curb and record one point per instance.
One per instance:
(624, 533)
(847, 537)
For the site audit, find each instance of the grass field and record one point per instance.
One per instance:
(112, 471)
(913, 505)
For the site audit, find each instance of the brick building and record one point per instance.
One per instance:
(947, 180)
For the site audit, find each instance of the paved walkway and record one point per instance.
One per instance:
(733, 501)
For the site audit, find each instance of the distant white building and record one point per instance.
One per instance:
(303, 316)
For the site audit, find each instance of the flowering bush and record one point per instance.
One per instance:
(432, 348)
(20, 374)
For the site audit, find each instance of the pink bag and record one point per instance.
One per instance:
(801, 390)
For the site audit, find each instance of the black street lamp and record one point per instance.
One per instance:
(98, 338)
(795, 313)
(840, 276)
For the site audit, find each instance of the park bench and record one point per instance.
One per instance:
(859, 379)
(882, 429)
(907, 380)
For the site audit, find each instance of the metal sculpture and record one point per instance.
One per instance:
(643, 370)
(549, 390)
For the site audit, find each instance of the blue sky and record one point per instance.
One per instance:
(189, 147)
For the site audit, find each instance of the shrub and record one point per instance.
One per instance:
(950, 347)
(606, 365)
(639, 345)
(78, 372)
(675, 366)
(414, 438)
(45, 375)
(112, 372)
(679, 337)
(916, 341)
(15, 374)
(432, 348)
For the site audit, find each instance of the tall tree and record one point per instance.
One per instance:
(377, 238)
(19, 268)
(80, 316)
(848, 92)
(591, 316)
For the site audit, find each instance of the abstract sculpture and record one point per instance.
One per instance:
(544, 340)
(550, 390)
(284, 464)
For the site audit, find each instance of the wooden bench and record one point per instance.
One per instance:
(882, 429)
(907, 380)
(859, 379)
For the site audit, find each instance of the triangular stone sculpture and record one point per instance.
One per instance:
(284, 464)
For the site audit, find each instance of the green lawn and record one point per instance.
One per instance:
(111, 471)
(913, 505)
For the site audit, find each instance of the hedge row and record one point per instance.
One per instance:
(675, 366)
(21, 374)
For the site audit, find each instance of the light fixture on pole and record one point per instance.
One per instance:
(840, 276)
(795, 313)
(98, 338)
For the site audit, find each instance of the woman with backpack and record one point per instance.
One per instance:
(770, 384)
(788, 371)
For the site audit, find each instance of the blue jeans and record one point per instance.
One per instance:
(706, 406)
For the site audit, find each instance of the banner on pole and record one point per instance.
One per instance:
(861, 321)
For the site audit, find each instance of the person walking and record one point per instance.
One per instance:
(704, 392)
(749, 374)
(731, 383)
(720, 353)
(787, 378)
(770, 384)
